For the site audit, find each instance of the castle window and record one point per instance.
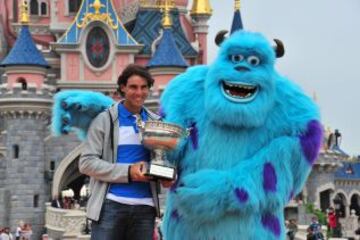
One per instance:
(52, 165)
(23, 83)
(74, 6)
(34, 7)
(43, 9)
(97, 47)
(15, 149)
(36, 201)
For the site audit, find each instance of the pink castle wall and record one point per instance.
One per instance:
(72, 67)
(122, 60)
(90, 75)
(202, 37)
(162, 80)
(187, 27)
(35, 78)
(141, 60)
(60, 5)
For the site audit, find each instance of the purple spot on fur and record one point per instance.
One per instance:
(194, 135)
(241, 195)
(270, 178)
(161, 112)
(291, 195)
(311, 140)
(175, 215)
(271, 223)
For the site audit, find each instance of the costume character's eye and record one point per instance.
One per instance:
(236, 58)
(253, 60)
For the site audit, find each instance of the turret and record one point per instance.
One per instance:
(201, 12)
(25, 109)
(167, 60)
(237, 22)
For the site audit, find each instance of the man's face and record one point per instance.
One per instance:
(135, 91)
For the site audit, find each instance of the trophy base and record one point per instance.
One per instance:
(161, 172)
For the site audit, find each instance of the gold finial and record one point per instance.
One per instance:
(166, 21)
(201, 7)
(24, 12)
(97, 5)
(237, 5)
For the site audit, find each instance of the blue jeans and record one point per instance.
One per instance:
(124, 222)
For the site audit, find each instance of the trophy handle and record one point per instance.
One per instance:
(187, 132)
(139, 123)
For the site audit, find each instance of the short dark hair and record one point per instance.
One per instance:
(134, 69)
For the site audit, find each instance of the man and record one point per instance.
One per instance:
(292, 229)
(124, 201)
(6, 235)
(314, 230)
(331, 219)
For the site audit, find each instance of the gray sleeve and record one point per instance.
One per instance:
(90, 162)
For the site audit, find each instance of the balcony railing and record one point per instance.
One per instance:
(65, 223)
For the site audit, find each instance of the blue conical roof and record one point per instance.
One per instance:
(237, 22)
(167, 54)
(24, 52)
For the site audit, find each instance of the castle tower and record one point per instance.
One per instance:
(237, 22)
(95, 48)
(167, 60)
(25, 109)
(201, 12)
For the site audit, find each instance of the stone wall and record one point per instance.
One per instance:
(25, 173)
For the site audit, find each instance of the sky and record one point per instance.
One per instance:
(321, 39)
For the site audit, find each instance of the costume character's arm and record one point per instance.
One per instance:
(262, 183)
(90, 162)
(180, 102)
(75, 109)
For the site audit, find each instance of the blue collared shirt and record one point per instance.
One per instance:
(130, 150)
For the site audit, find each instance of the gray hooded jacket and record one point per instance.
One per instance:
(98, 160)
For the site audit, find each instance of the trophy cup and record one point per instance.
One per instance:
(160, 137)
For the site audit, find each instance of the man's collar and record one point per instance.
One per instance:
(126, 113)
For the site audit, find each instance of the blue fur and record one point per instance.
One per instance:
(220, 192)
(81, 108)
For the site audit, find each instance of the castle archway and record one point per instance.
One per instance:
(341, 204)
(67, 174)
(355, 203)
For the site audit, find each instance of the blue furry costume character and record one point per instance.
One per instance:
(254, 138)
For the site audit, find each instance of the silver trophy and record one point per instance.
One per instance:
(160, 137)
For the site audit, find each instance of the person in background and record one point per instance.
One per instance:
(19, 228)
(314, 230)
(26, 232)
(292, 229)
(6, 235)
(332, 221)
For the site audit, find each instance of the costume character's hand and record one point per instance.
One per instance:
(76, 109)
(208, 194)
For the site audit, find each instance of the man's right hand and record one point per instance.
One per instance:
(137, 172)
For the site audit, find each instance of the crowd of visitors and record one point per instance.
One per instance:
(23, 232)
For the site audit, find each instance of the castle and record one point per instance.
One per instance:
(51, 45)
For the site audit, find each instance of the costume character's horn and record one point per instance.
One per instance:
(279, 48)
(220, 37)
